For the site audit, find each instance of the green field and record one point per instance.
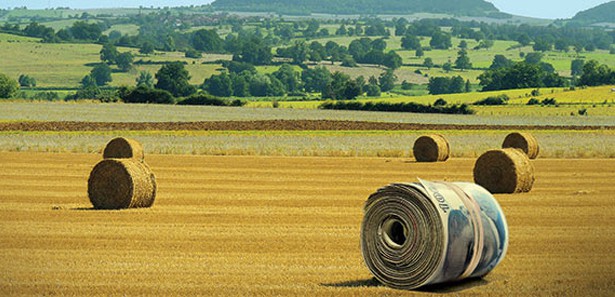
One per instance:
(63, 65)
(598, 101)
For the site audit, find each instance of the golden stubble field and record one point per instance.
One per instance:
(239, 226)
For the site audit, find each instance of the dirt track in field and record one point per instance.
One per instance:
(288, 125)
(279, 226)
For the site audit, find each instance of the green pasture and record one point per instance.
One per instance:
(63, 65)
(597, 101)
(125, 29)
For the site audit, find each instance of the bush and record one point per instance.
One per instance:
(535, 92)
(493, 100)
(207, 99)
(440, 102)
(533, 101)
(405, 85)
(49, 96)
(548, 101)
(27, 81)
(8, 86)
(143, 94)
(194, 54)
(373, 90)
(396, 107)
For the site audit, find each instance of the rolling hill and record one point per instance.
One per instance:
(363, 7)
(604, 13)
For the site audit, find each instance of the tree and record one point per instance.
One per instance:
(8, 86)
(392, 60)
(173, 77)
(446, 85)
(500, 61)
(146, 48)
(595, 74)
(438, 85)
(428, 63)
(341, 30)
(373, 90)
(447, 66)
(101, 73)
(88, 81)
(207, 41)
(419, 52)
(288, 77)
(463, 44)
(26, 81)
(86, 31)
(124, 61)
(533, 58)
(145, 78)
(108, 53)
(387, 80)
(518, 76)
(542, 45)
(143, 94)
(315, 79)
(440, 40)
(219, 85)
(463, 61)
(576, 67)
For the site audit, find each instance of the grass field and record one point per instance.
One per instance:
(280, 226)
(97, 112)
(65, 64)
(598, 101)
(398, 144)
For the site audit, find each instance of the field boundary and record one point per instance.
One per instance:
(271, 125)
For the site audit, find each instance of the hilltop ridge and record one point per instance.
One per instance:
(364, 7)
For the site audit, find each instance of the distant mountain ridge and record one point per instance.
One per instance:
(603, 13)
(363, 7)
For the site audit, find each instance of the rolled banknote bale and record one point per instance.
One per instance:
(121, 183)
(523, 141)
(431, 148)
(123, 148)
(417, 234)
(504, 171)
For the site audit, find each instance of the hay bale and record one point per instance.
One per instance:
(523, 141)
(431, 148)
(121, 183)
(504, 171)
(123, 148)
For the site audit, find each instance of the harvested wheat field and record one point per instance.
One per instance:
(280, 226)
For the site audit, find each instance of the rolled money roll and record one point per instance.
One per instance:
(424, 233)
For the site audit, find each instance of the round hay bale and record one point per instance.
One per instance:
(123, 148)
(504, 171)
(121, 183)
(431, 148)
(523, 141)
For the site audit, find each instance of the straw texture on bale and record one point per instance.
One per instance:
(123, 148)
(121, 183)
(431, 148)
(523, 141)
(504, 171)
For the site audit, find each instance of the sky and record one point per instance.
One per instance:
(549, 9)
